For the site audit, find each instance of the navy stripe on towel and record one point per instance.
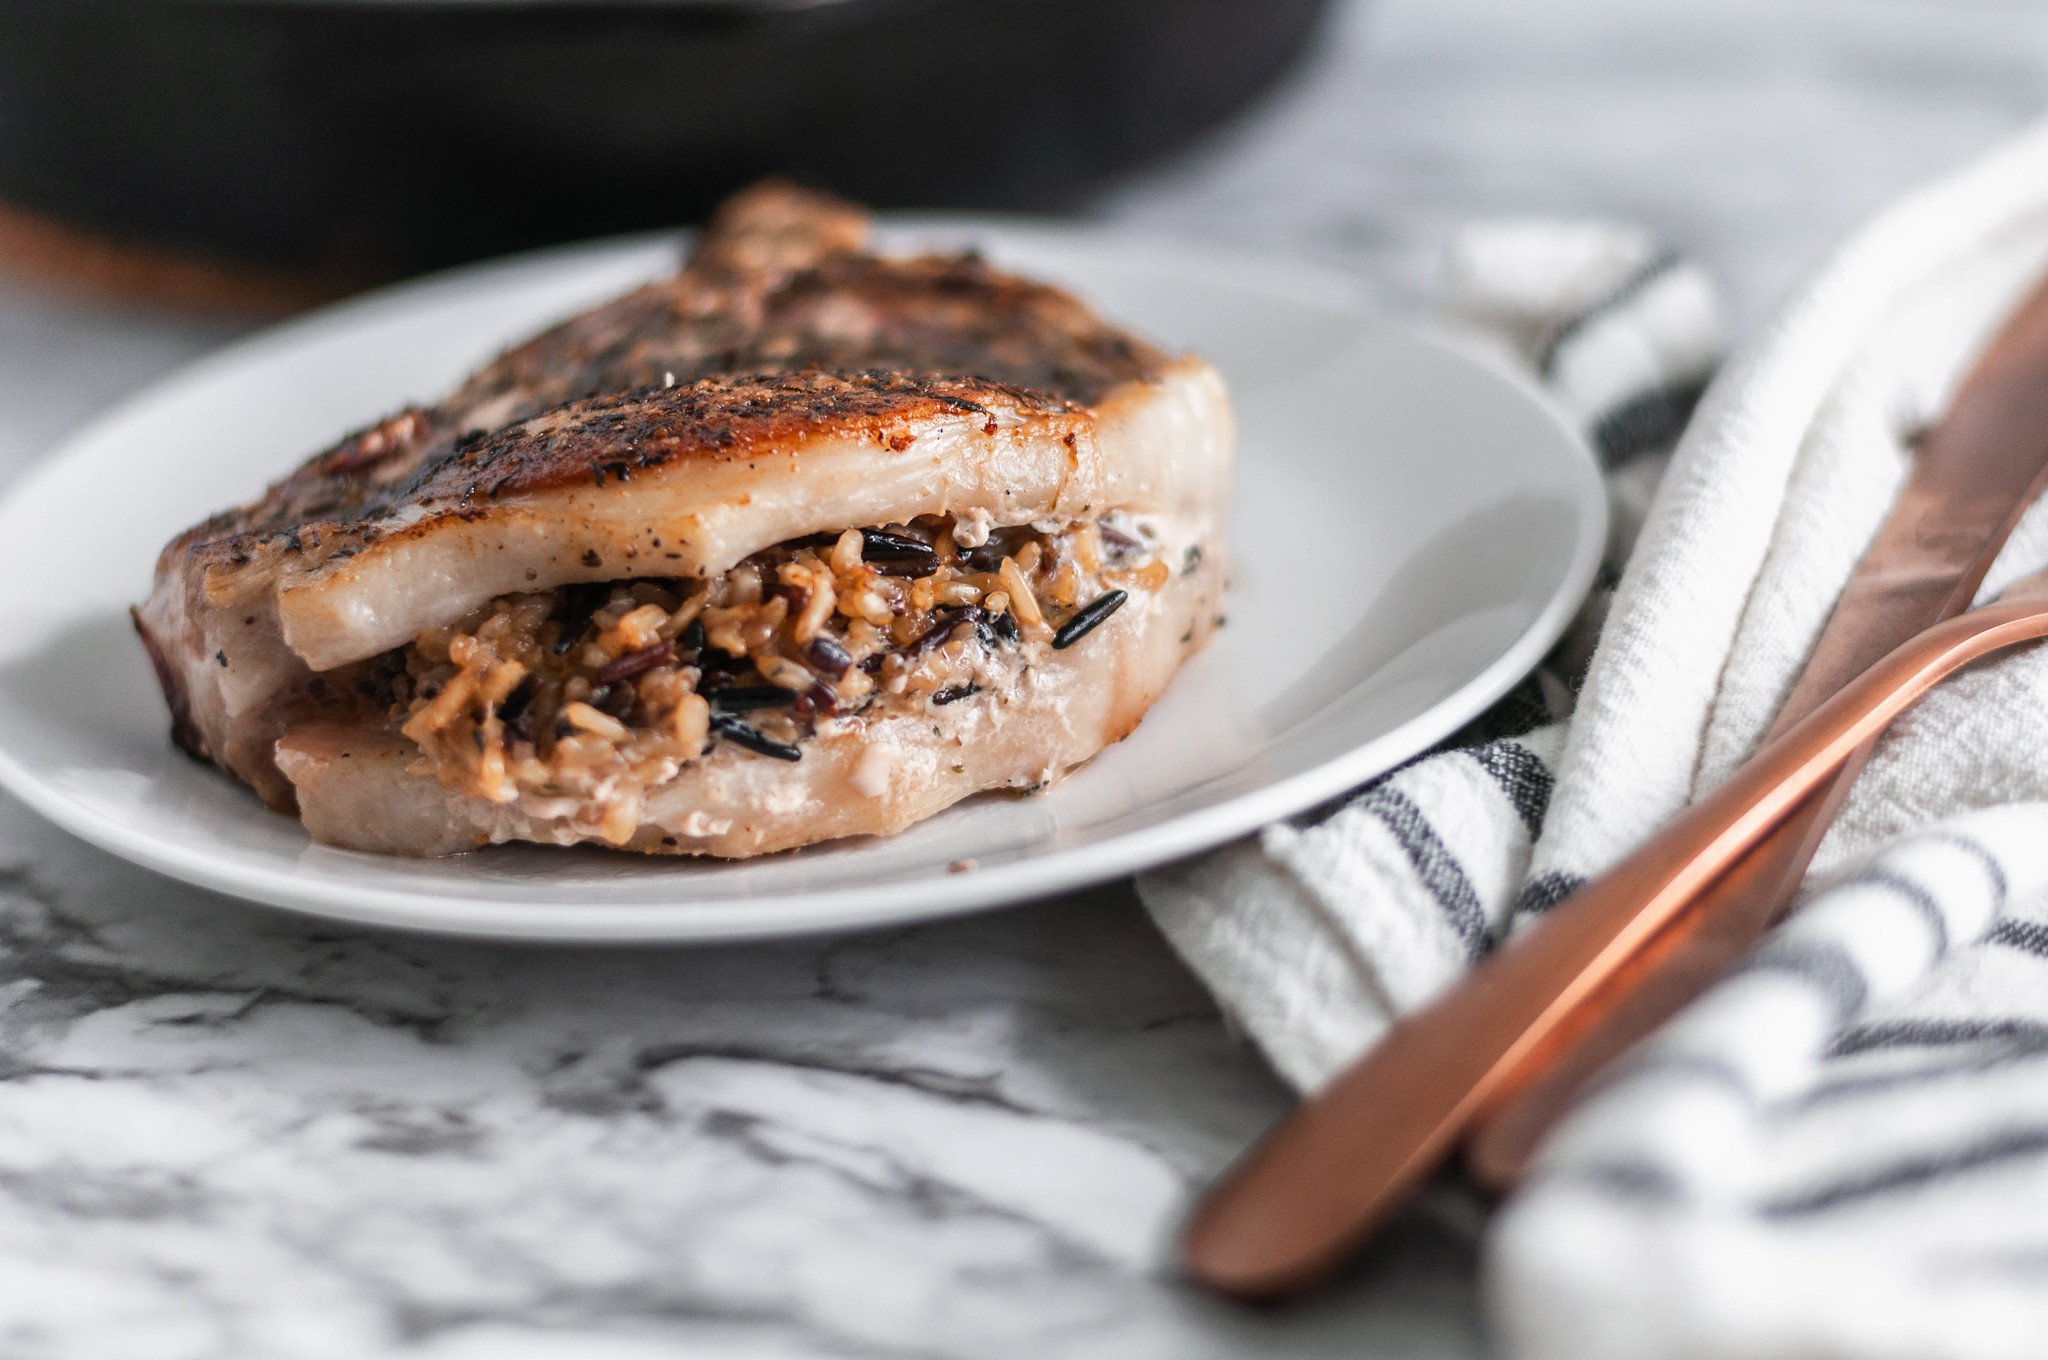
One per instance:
(1646, 422)
(1825, 964)
(1946, 1069)
(1655, 269)
(1993, 870)
(1526, 780)
(1434, 864)
(1910, 1174)
(1933, 1034)
(2027, 936)
(1918, 898)
(1545, 891)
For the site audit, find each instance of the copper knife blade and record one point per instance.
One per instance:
(1287, 1213)
(1974, 474)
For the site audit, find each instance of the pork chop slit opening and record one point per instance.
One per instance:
(574, 704)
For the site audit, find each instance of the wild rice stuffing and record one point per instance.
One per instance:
(592, 695)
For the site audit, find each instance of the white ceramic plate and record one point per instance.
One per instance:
(1413, 528)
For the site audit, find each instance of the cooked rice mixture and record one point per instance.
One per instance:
(575, 702)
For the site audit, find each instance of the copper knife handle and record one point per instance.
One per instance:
(1315, 1187)
(1701, 945)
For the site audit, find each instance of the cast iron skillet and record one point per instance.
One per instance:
(362, 139)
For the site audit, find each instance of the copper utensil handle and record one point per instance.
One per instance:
(1315, 1187)
(1705, 940)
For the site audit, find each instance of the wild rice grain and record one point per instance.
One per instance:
(1087, 618)
(739, 734)
(513, 707)
(633, 663)
(579, 602)
(828, 656)
(898, 554)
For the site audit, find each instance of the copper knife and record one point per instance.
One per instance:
(1299, 1198)
(1974, 474)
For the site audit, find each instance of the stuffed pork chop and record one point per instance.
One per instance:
(800, 543)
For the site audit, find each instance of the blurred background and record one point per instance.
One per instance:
(332, 143)
(173, 171)
(259, 154)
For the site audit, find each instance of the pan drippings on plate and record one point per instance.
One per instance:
(597, 693)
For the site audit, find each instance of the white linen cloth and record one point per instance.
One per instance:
(1843, 1149)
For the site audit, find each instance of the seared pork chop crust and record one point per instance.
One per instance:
(803, 298)
(606, 439)
(726, 419)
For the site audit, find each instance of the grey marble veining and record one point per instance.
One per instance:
(229, 1131)
(226, 1131)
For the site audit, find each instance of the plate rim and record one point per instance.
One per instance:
(781, 915)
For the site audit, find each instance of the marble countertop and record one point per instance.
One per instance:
(225, 1131)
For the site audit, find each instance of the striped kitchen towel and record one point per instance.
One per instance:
(1388, 896)
(1843, 1149)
